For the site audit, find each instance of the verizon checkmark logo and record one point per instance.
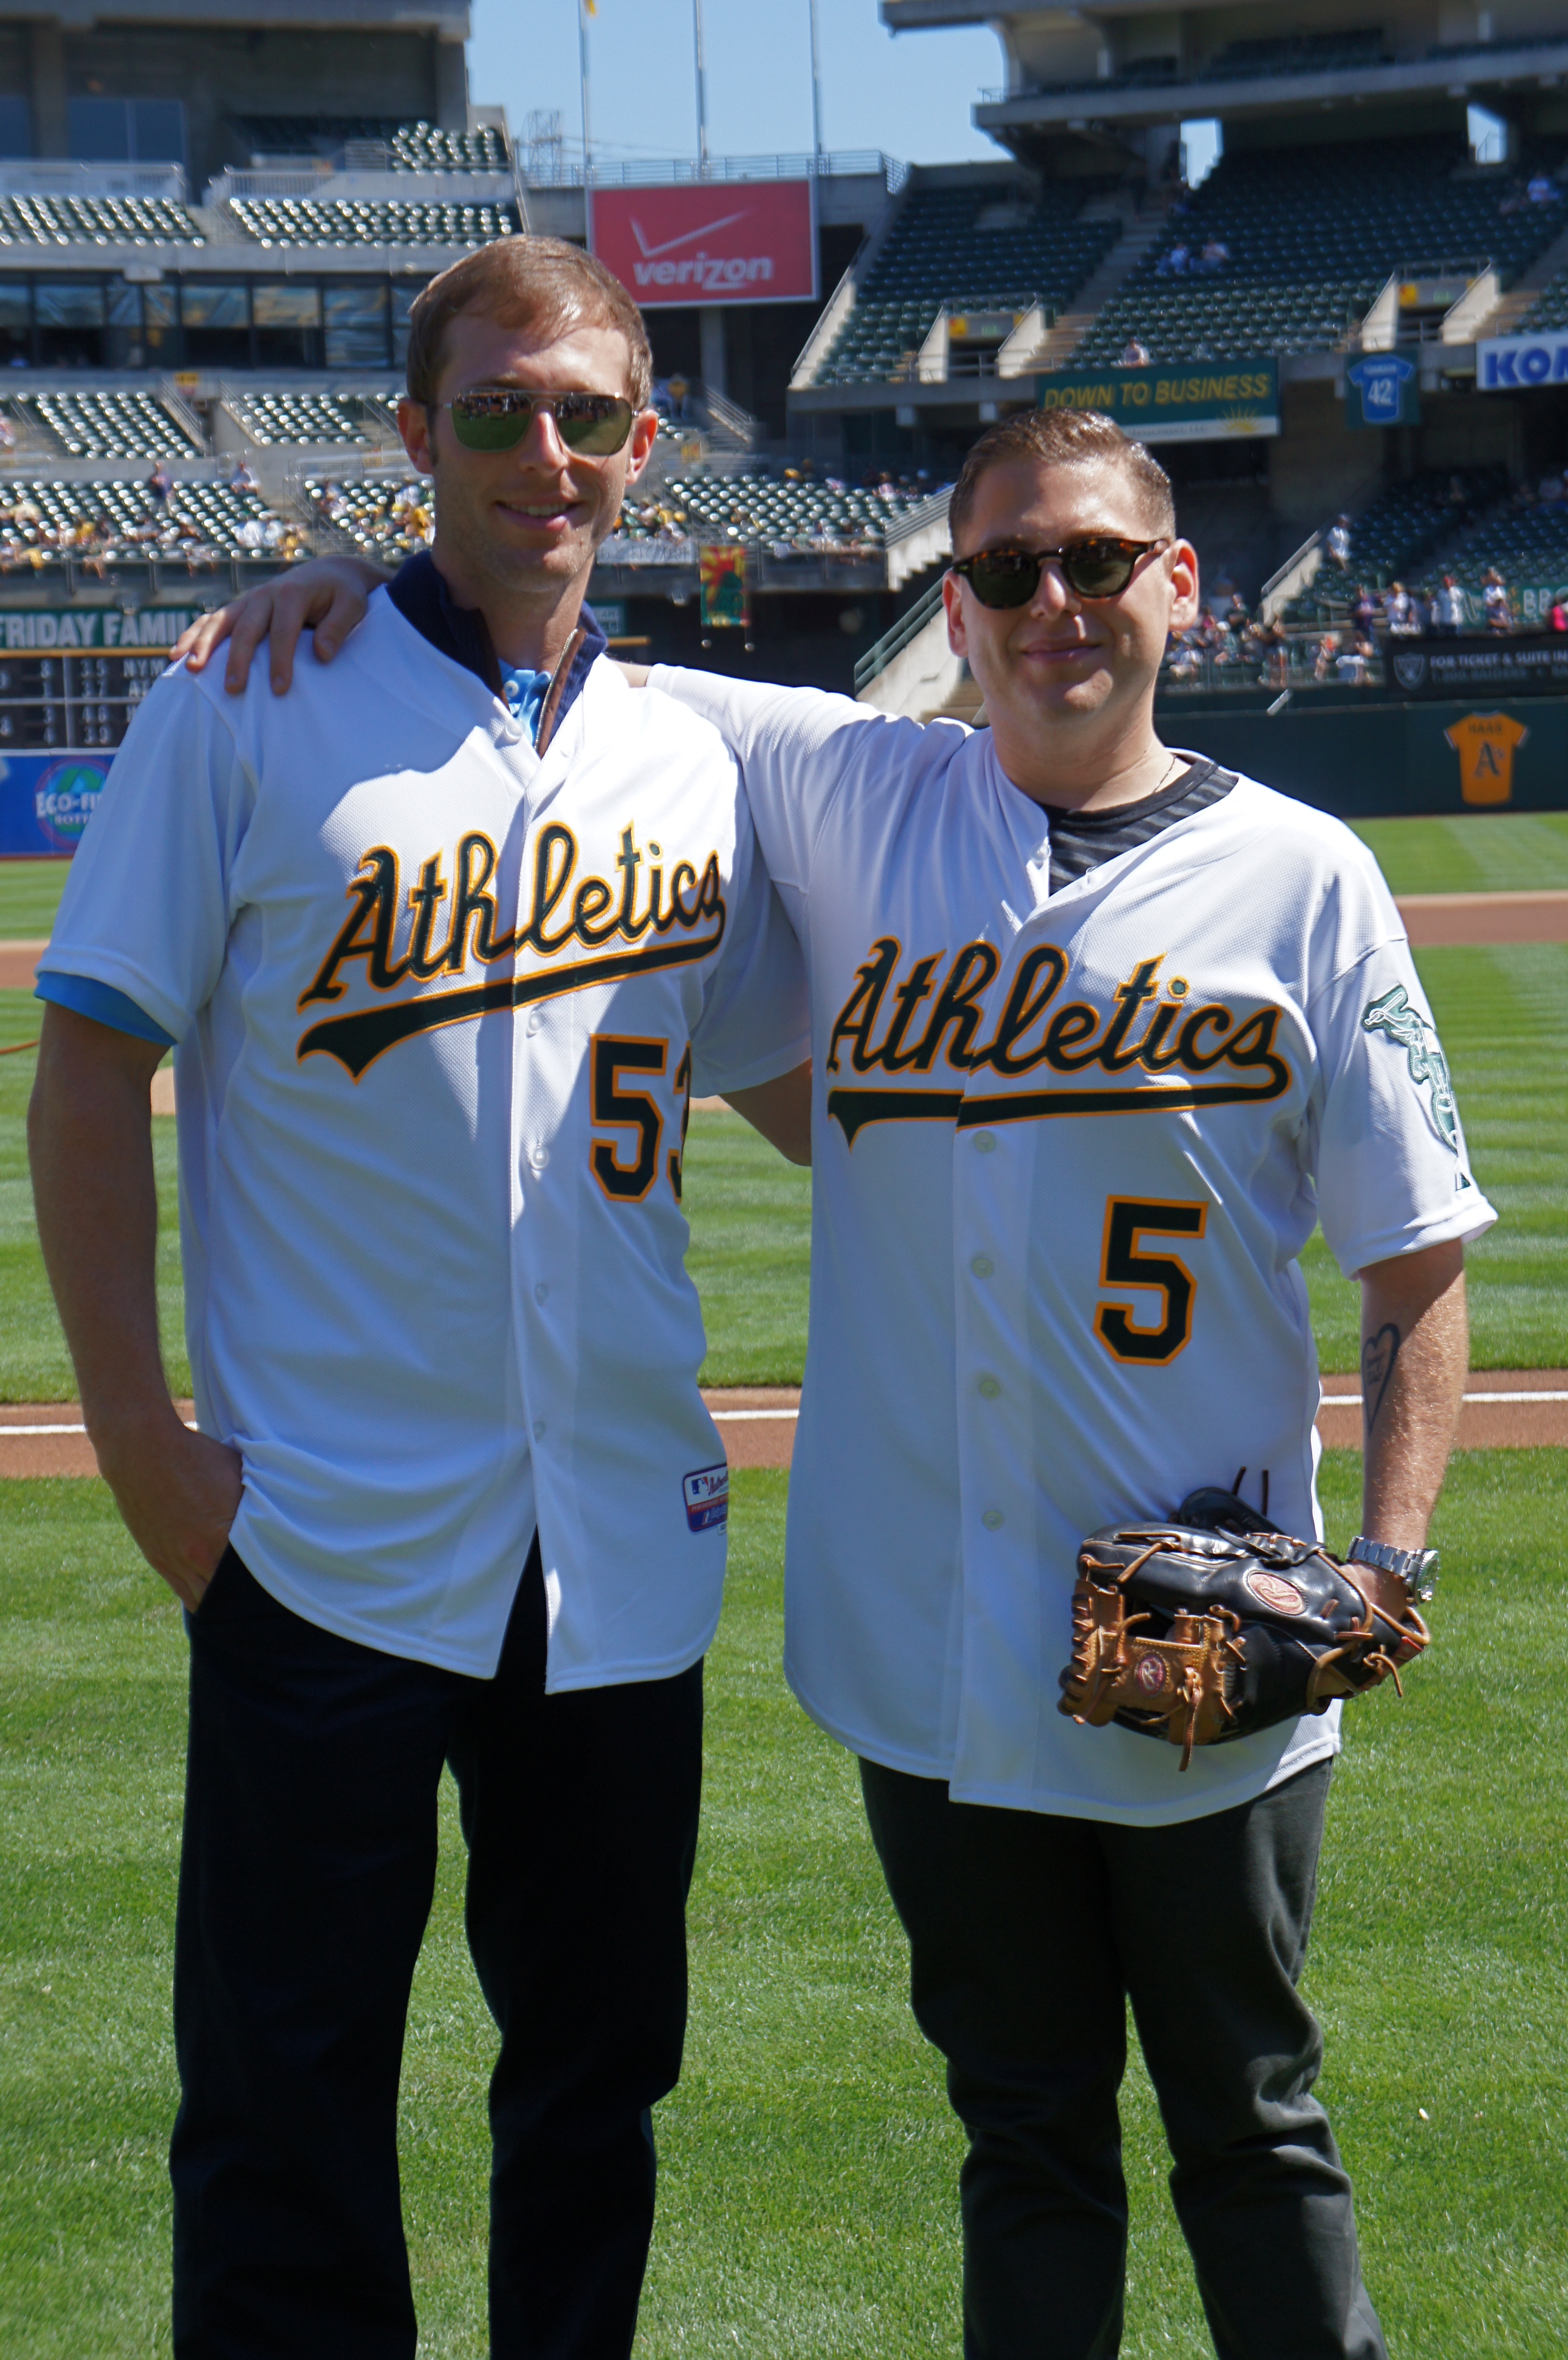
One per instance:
(709, 229)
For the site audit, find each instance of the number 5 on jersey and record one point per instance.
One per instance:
(1124, 1262)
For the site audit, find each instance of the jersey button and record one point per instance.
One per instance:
(984, 1141)
(991, 1519)
(534, 1023)
(538, 1155)
(990, 1388)
(982, 1265)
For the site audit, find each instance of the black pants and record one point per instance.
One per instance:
(1028, 1935)
(306, 1879)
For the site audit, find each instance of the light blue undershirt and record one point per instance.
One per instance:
(525, 693)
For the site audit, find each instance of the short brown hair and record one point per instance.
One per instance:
(524, 282)
(1063, 438)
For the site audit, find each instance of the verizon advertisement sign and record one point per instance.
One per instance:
(744, 241)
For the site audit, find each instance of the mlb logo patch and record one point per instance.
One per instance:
(707, 1496)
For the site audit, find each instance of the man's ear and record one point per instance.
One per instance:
(1185, 586)
(415, 424)
(645, 433)
(953, 599)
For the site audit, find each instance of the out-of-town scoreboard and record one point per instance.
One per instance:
(73, 677)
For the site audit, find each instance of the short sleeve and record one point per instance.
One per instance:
(145, 910)
(795, 747)
(1393, 1171)
(756, 1022)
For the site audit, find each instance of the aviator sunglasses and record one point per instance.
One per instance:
(595, 424)
(1096, 567)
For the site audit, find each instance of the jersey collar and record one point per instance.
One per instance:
(420, 593)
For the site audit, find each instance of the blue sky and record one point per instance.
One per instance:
(910, 97)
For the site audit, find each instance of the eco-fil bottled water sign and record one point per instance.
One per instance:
(1512, 364)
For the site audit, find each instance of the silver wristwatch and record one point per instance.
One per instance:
(1416, 1567)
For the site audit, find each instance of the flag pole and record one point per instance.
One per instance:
(816, 90)
(701, 91)
(582, 12)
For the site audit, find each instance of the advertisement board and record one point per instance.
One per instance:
(1489, 664)
(1514, 364)
(1166, 402)
(713, 242)
(46, 800)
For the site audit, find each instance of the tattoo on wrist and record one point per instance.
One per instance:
(1379, 1354)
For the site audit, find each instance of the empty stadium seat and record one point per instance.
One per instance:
(1313, 234)
(769, 506)
(198, 522)
(942, 250)
(96, 221)
(114, 425)
(285, 418)
(346, 222)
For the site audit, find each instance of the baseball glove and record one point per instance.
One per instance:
(1218, 1625)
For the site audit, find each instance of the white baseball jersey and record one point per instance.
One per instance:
(1067, 1148)
(441, 1006)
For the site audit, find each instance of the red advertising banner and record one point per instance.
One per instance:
(716, 242)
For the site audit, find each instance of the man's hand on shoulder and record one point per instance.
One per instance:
(329, 595)
(179, 1492)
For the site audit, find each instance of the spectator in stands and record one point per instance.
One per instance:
(160, 483)
(1497, 607)
(1174, 264)
(1365, 613)
(1448, 609)
(242, 480)
(1274, 646)
(1135, 354)
(1339, 543)
(1544, 189)
(1215, 254)
(1327, 656)
(1352, 664)
(1402, 615)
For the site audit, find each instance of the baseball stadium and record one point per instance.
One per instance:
(1318, 267)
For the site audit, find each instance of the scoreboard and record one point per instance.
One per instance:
(71, 677)
(69, 701)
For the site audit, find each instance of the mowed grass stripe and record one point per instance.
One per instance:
(1473, 852)
(29, 896)
(808, 2159)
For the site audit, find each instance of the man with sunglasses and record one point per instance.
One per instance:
(446, 941)
(1099, 1030)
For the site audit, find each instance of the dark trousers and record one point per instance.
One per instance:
(1028, 1936)
(306, 1880)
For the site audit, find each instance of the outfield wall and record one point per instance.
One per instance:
(1377, 760)
(1363, 762)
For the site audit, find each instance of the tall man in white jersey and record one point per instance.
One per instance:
(445, 942)
(1100, 1032)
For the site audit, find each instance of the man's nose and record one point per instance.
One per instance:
(1055, 594)
(541, 446)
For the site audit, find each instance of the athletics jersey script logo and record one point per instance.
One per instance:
(890, 1028)
(682, 919)
(1407, 1028)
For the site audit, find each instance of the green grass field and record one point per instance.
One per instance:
(806, 2203)
(30, 895)
(1476, 852)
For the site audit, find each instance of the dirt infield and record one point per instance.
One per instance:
(1504, 1409)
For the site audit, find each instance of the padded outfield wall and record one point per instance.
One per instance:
(1377, 759)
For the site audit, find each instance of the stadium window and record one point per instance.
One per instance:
(16, 128)
(287, 324)
(125, 348)
(16, 321)
(127, 130)
(1202, 145)
(215, 316)
(70, 321)
(161, 315)
(405, 293)
(356, 311)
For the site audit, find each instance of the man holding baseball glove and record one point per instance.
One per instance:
(1100, 1031)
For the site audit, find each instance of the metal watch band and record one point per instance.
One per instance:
(1416, 1567)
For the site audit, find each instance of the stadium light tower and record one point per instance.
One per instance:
(816, 91)
(701, 90)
